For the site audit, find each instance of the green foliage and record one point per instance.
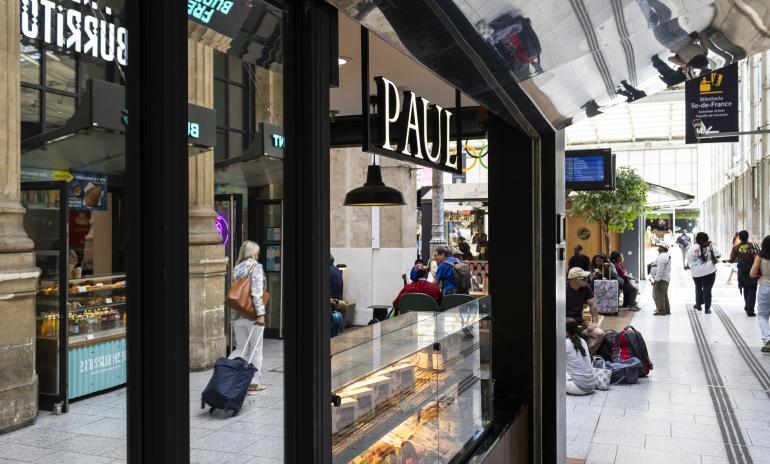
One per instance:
(614, 210)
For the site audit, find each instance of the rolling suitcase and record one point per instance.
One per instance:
(338, 323)
(231, 379)
(606, 294)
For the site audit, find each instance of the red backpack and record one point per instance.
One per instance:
(629, 343)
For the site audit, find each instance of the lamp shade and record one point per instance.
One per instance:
(374, 192)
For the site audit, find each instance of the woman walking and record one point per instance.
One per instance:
(702, 258)
(247, 265)
(761, 269)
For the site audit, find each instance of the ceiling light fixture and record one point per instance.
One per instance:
(374, 192)
(343, 60)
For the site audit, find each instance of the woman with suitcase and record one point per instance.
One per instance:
(247, 265)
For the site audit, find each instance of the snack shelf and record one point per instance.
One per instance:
(429, 387)
(95, 306)
(97, 278)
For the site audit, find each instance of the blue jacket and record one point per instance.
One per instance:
(446, 274)
(335, 276)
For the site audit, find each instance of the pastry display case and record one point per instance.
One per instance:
(414, 389)
(80, 322)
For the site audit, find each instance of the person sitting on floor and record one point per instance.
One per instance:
(580, 374)
(578, 295)
(420, 285)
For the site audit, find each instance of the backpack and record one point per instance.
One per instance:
(462, 276)
(629, 343)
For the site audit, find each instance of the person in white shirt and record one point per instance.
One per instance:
(580, 373)
(660, 275)
(702, 258)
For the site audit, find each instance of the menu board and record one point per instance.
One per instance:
(87, 192)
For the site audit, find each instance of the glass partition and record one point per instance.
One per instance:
(414, 388)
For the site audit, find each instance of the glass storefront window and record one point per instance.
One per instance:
(58, 110)
(30, 112)
(29, 67)
(60, 71)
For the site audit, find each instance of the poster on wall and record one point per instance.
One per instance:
(712, 106)
(273, 258)
(87, 192)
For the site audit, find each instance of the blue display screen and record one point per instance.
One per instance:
(589, 168)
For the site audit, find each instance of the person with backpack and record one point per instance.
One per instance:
(452, 275)
(580, 373)
(683, 242)
(660, 275)
(742, 256)
(702, 258)
(760, 269)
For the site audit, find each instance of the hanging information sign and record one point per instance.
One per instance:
(712, 106)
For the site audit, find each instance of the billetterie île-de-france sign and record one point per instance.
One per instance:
(402, 131)
(88, 30)
(712, 106)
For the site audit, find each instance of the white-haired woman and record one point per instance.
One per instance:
(247, 264)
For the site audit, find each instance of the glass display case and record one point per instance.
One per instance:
(414, 389)
(80, 331)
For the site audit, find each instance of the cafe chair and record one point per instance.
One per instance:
(416, 302)
(454, 300)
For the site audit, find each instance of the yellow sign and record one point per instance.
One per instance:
(710, 83)
(62, 175)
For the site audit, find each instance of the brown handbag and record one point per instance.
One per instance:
(239, 297)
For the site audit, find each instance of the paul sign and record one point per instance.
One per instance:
(403, 131)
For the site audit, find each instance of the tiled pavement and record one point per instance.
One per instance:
(669, 417)
(94, 431)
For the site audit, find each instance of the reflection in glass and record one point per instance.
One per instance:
(29, 67)
(235, 118)
(30, 112)
(58, 110)
(90, 70)
(60, 71)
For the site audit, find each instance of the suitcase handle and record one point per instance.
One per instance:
(253, 350)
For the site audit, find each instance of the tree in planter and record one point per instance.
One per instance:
(614, 210)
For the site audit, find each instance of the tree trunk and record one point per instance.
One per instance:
(606, 238)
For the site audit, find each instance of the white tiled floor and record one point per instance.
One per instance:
(669, 416)
(94, 431)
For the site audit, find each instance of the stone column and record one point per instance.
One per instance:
(437, 238)
(18, 273)
(208, 263)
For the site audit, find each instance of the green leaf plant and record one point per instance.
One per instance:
(614, 210)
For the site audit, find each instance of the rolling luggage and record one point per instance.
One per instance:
(231, 379)
(606, 294)
(338, 323)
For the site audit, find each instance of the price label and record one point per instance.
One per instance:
(108, 300)
(100, 284)
(82, 289)
(90, 337)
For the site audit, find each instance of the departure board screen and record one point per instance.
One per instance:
(589, 169)
(585, 169)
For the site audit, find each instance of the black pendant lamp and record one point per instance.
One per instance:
(374, 192)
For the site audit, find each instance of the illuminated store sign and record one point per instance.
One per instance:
(403, 131)
(223, 16)
(89, 32)
(279, 141)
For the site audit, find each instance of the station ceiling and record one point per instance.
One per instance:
(568, 57)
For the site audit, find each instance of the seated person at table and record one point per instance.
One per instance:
(445, 275)
(580, 373)
(413, 271)
(420, 285)
(578, 295)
